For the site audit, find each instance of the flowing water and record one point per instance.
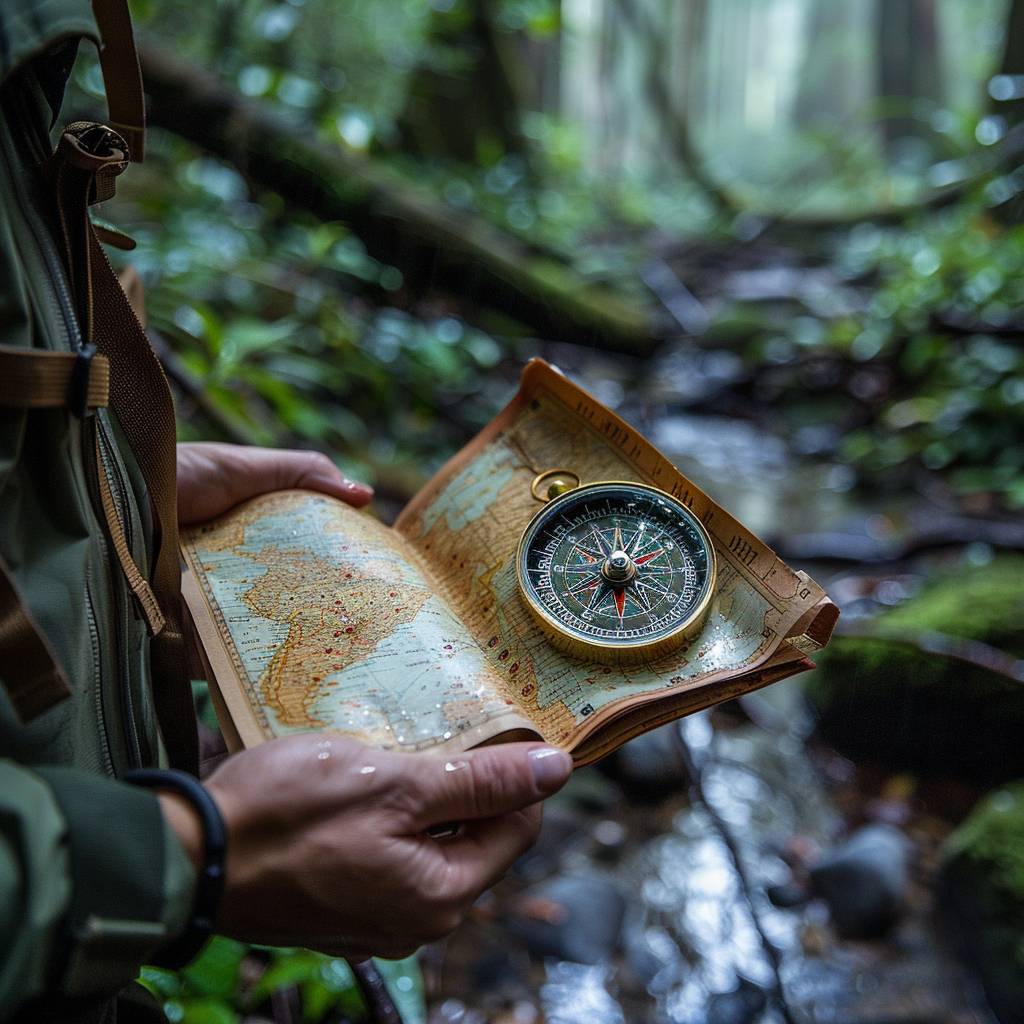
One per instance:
(648, 901)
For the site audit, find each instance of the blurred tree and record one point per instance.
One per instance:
(1012, 64)
(909, 69)
(399, 221)
(464, 98)
(828, 80)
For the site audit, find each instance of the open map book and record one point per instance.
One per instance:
(314, 616)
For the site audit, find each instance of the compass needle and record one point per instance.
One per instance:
(644, 559)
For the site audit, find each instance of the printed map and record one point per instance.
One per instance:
(415, 636)
(331, 625)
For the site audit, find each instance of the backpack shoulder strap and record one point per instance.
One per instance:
(122, 76)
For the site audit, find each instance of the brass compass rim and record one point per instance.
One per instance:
(621, 651)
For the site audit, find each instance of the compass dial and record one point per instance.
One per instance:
(616, 570)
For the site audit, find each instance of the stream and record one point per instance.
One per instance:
(729, 868)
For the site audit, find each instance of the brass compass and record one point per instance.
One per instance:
(614, 571)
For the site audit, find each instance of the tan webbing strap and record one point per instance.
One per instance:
(142, 400)
(137, 583)
(32, 677)
(31, 378)
(122, 76)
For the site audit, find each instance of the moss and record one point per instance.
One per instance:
(982, 603)
(878, 697)
(992, 838)
(982, 889)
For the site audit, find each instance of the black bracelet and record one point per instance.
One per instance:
(210, 884)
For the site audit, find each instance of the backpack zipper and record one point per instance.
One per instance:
(94, 639)
(107, 463)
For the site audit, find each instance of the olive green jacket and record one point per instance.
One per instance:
(92, 881)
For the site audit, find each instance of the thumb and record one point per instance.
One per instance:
(490, 782)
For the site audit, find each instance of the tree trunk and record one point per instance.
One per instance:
(464, 99)
(826, 83)
(398, 221)
(908, 65)
(674, 118)
(1012, 64)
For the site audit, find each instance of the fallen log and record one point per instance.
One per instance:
(399, 222)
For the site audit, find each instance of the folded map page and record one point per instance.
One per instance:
(313, 616)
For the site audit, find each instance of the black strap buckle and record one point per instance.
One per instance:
(80, 374)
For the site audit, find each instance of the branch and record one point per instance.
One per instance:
(398, 221)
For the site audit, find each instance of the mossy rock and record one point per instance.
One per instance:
(877, 696)
(982, 894)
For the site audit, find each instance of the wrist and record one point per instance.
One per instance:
(209, 850)
(185, 824)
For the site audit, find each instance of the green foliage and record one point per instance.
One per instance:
(230, 979)
(886, 694)
(947, 288)
(976, 602)
(283, 324)
(987, 853)
(993, 835)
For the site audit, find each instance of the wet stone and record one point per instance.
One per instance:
(576, 918)
(649, 767)
(743, 1005)
(864, 881)
(785, 895)
(563, 829)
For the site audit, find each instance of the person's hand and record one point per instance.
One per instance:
(214, 477)
(327, 845)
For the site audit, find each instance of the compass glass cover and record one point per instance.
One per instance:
(616, 565)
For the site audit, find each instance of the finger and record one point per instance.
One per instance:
(485, 851)
(213, 477)
(314, 471)
(485, 783)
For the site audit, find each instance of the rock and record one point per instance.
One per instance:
(648, 767)
(981, 897)
(640, 963)
(787, 894)
(743, 1005)
(562, 829)
(572, 917)
(864, 881)
(589, 790)
(877, 697)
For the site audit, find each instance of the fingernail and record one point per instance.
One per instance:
(353, 485)
(550, 767)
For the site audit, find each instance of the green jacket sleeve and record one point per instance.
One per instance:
(92, 883)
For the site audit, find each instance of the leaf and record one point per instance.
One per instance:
(215, 971)
(208, 1011)
(291, 967)
(162, 983)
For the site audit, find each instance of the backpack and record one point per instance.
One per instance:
(90, 605)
